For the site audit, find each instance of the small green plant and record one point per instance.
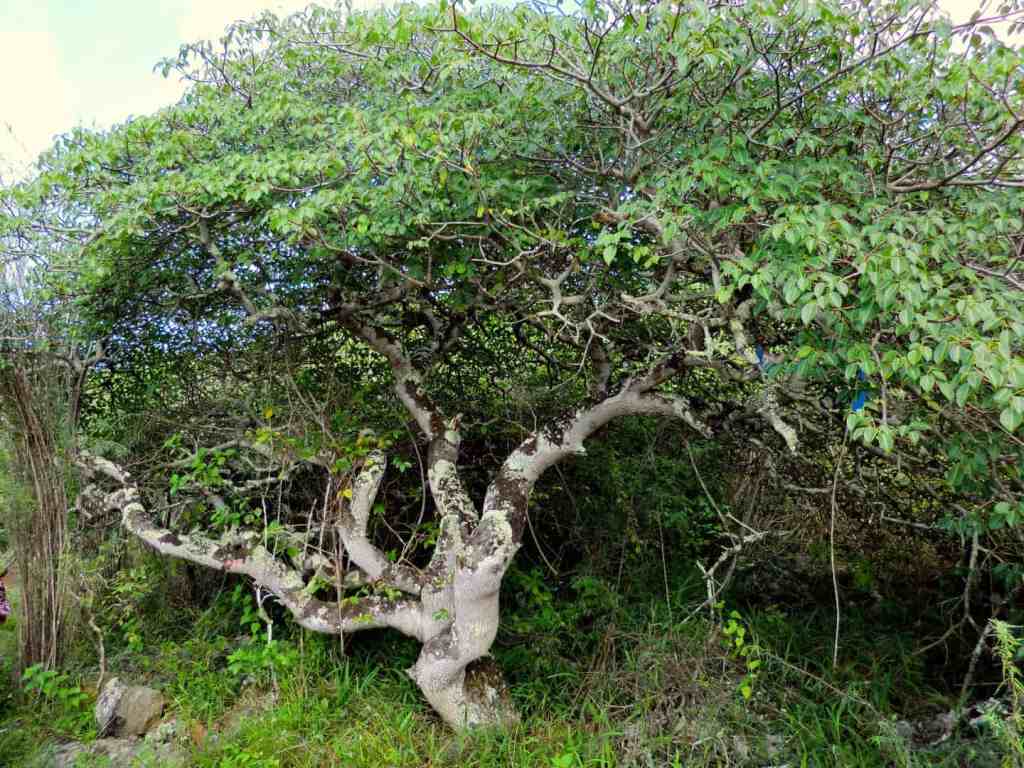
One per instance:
(251, 619)
(238, 757)
(261, 656)
(57, 692)
(48, 684)
(235, 515)
(1008, 725)
(205, 468)
(129, 589)
(258, 658)
(736, 638)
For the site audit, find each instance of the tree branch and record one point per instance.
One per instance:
(501, 528)
(352, 523)
(237, 553)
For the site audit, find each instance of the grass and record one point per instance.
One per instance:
(17, 742)
(638, 688)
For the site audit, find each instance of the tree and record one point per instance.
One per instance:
(765, 220)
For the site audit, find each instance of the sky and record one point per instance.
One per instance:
(90, 62)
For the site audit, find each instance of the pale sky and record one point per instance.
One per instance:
(90, 62)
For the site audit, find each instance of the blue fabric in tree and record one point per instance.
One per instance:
(862, 396)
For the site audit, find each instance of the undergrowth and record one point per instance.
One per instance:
(640, 685)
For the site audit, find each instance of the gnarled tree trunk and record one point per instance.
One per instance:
(452, 605)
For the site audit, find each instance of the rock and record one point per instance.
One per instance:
(935, 730)
(113, 752)
(903, 729)
(773, 745)
(65, 755)
(123, 710)
(741, 747)
(118, 753)
(106, 705)
(163, 733)
(139, 710)
(168, 755)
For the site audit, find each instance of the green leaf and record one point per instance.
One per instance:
(792, 291)
(885, 439)
(1010, 419)
(808, 313)
(962, 393)
(1004, 345)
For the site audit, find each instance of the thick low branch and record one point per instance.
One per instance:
(408, 381)
(236, 553)
(456, 511)
(501, 529)
(767, 405)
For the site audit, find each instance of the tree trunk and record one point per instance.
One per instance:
(39, 519)
(477, 696)
(451, 606)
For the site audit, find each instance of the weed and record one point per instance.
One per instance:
(1007, 723)
(59, 698)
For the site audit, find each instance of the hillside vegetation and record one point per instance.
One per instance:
(635, 384)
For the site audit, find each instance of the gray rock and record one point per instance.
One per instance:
(106, 705)
(741, 747)
(942, 727)
(139, 710)
(903, 729)
(65, 755)
(773, 745)
(163, 733)
(168, 755)
(123, 710)
(118, 753)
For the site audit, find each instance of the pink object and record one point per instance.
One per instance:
(5, 606)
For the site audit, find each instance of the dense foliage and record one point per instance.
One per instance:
(858, 170)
